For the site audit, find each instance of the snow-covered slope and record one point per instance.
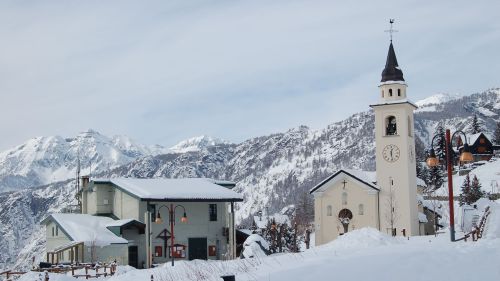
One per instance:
(456, 113)
(437, 99)
(197, 144)
(488, 175)
(43, 160)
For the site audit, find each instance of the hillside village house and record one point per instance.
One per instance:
(117, 213)
(479, 145)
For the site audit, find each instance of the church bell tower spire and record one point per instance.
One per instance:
(395, 152)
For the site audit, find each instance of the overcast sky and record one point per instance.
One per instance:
(164, 71)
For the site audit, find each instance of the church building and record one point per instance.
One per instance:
(385, 199)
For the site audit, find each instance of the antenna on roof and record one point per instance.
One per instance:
(391, 30)
(79, 202)
(78, 173)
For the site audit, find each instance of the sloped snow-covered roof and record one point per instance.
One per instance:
(399, 101)
(422, 217)
(122, 222)
(86, 228)
(471, 138)
(434, 206)
(365, 178)
(185, 189)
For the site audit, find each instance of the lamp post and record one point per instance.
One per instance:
(171, 213)
(433, 161)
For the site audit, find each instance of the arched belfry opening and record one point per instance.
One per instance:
(390, 126)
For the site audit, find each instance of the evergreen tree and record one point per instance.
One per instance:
(475, 191)
(476, 125)
(497, 133)
(270, 235)
(440, 142)
(471, 191)
(465, 191)
(435, 177)
(423, 173)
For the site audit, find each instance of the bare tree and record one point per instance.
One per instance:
(391, 214)
(430, 193)
(93, 249)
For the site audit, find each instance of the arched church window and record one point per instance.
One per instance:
(399, 92)
(344, 198)
(329, 210)
(390, 92)
(390, 126)
(361, 209)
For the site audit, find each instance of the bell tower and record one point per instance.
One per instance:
(395, 152)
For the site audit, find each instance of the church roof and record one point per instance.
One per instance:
(392, 102)
(363, 177)
(392, 72)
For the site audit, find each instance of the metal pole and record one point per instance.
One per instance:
(147, 219)
(172, 217)
(233, 233)
(450, 185)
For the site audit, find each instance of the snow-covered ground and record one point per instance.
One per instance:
(363, 254)
(488, 175)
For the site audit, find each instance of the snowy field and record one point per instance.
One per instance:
(363, 254)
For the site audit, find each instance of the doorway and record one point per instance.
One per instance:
(197, 248)
(133, 259)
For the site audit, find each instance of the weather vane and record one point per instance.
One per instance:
(391, 30)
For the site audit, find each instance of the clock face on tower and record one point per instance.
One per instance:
(391, 153)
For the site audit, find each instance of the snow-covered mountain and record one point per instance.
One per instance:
(197, 144)
(43, 160)
(271, 171)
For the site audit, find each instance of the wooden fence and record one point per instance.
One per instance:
(90, 271)
(478, 231)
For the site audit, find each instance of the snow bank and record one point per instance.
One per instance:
(255, 247)
(39, 276)
(364, 238)
(492, 230)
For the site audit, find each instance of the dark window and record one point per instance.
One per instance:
(152, 210)
(399, 92)
(212, 211)
(52, 231)
(390, 92)
(57, 230)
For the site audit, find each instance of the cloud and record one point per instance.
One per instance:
(161, 72)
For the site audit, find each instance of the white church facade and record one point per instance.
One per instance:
(385, 199)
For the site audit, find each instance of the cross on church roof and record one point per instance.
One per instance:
(391, 30)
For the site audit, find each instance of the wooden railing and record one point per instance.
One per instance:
(102, 270)
(107, 269)
(478, 230)
(10, 273)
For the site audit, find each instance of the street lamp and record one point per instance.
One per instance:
(171, 213)
(433, 161)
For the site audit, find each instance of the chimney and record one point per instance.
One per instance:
(85, 181)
